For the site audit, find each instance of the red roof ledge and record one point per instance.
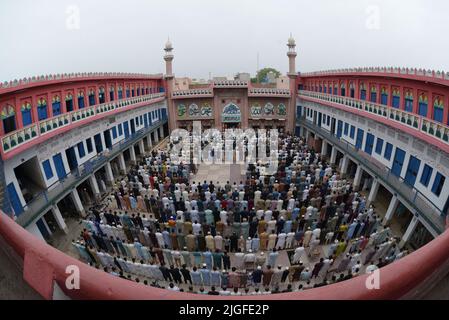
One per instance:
(44, 265)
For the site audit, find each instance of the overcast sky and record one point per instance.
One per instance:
(219, 37)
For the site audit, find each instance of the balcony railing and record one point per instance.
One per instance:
(74, 76)
(192, 93)
(269, 92)
(29, 133)
(422, 124)
(438, 75)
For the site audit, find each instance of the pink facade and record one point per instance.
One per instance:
(68, 93)
(389, 89)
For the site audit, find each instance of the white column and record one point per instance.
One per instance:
(161, 132)
(59, 219)
(156, 136)
(149, 142)
(109, 173)
(141, 147)
(94, 185)
(333, 155)
(132, 154)
(77, 201)
(391, 209)
(358, 177)
(122, 163)
(373, 191)
(324, 148)
(46, 225)
(344, 165)
(410, 229)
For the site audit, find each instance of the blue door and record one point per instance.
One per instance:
(98, 143)
(369, 143)
(297, 131)
(145, 120)
(14, 199)
(126, 129)
(398, 162)
(298, 112)
(59, 165)
(107, 139)
(133, 126)
(359, 139)
(42, 228)
(339, 128)
(320, 119)
(412, 171)
(71, 158)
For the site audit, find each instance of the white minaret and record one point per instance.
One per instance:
(168, 60)
(293, 78)
(292, 56)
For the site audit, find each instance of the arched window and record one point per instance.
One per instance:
(81, 103)
(42, 109)
(343, 89)
(69, 102)
(111, 93)
(133, 92)
(101, 98)
(148, 90)
(9, 118)
(26, 114)
(438, 108)
(352, 90)
(138, 91)
(335, 89)
(56, 105)
(120, 92)
(362, 91)
(91, 97)
(325, 89)
(423, 103)
(408, 102)
(321, 88)
(396, 98)
(128, 93)
(373, 94)
(384, 96)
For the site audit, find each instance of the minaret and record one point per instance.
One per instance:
(292, 57)
(168, 60)
(293, 76)
(168, 57)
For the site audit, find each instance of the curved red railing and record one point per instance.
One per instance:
(45, 265)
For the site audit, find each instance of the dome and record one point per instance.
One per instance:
(168, 45)
(291, 41)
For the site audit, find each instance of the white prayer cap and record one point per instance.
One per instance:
(259, 268)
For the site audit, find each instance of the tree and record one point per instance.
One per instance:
(262, 75)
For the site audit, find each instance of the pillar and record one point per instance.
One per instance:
(122, 163)
(394, 202)
(324, 148)
(149, 142)
(77, 202)
(408, 233)
(358, 177)
(132, 154)
(59, 219)
(344, 165)
(333, 155)
(373, 192)
(156, 136)
(109, 173)
(141, 147)
(161, 132)
(94, 185)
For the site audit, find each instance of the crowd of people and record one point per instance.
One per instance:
(162, 228)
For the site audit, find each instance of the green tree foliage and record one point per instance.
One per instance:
(262, 75)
